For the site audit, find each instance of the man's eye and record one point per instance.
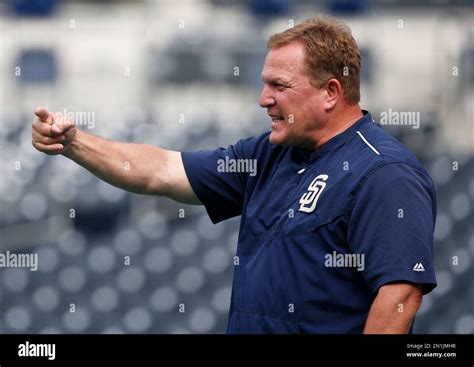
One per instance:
(280, 86)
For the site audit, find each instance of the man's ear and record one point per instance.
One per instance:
(333, 93)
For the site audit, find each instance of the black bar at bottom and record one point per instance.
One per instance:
(450, 350)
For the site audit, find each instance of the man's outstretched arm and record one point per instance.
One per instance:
(139, 168)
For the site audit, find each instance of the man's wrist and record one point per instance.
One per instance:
(72, 147)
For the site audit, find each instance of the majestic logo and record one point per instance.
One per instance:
(310, 198)
(418, 267)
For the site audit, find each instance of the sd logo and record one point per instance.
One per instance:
(310, 198)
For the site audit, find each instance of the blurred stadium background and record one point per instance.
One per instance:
(185, 75)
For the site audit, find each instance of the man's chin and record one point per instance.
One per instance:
(277, 139)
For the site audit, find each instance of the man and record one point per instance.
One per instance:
(337, 222)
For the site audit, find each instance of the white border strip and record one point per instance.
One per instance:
(366, 142)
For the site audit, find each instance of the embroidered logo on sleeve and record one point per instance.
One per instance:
(418, 267)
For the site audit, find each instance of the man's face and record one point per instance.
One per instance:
(294, 104)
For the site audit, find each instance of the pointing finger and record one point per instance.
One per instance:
(43, 114)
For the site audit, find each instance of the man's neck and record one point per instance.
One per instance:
(339, 123)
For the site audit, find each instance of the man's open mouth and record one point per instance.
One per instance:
(277, 118)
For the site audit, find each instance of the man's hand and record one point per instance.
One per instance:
(52, 133)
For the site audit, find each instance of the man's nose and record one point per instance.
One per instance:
(266, 100)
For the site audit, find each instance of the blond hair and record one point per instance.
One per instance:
(330, 52)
